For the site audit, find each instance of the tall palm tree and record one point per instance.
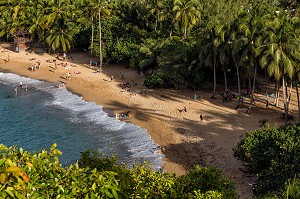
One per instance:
(187, 13)
(281, 50)
(155, 9)
(167, 14)
(97, 9)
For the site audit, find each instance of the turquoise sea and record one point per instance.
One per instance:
(46, 115)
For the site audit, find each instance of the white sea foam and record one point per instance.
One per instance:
(127, 136)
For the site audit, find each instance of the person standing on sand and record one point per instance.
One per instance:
(69, 76)
(111, 78)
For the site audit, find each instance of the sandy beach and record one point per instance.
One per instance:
(185, 139)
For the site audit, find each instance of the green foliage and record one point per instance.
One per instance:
(292, 190)
(156, 80)
(209, 182)
(272, 154)
(171, 32)
(125, 49)
(179, 62)
(39, 175)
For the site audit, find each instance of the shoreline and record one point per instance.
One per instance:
(185, 139)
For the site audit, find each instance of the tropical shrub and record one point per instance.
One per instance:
(39, 175)
(209, 182)
(272, 154)
(156, 80)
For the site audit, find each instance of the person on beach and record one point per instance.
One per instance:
(21, 84)
(16, 90)
(69, 76)
(65, 56)
(38, 64)
(201, 118)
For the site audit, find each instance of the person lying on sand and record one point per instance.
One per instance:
(125, 115)
(61, 85)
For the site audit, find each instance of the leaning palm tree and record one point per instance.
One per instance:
(187, 13)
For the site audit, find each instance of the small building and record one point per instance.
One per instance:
(21, 41)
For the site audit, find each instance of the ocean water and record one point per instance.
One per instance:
(46, 115)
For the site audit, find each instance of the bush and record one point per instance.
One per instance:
(209, 181)
(23, 175)
(156, 80)
(272, 154)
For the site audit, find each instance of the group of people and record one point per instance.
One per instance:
(35, 66)
(127, 85)
(124, 115)
(23, 87)
(227, 96)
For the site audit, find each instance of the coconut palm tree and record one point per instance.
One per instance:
(280, 51)
(37, 22)
(167, 14)
(61, 35)
(155, 9)
(99, 8)
(187, 13)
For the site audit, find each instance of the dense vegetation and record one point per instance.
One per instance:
(273, 155)
(39, 175)
(178, 43)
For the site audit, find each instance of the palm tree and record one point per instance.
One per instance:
(61, 35)
(248, 30)
(167, 14)
(37, 22)
(187, 13)
(155, 9)
(99, 7)
(281, 51)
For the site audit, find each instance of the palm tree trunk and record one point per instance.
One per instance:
(92, 45)
(225, 78)
(100, 42)
(277, 94)
(266, 76)
(185, 30)
(171, 32)
(249, 84)
(215, 74)
(238, 76)
(298, 98)
(244, 81)
(284, 99)
(253, 89)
